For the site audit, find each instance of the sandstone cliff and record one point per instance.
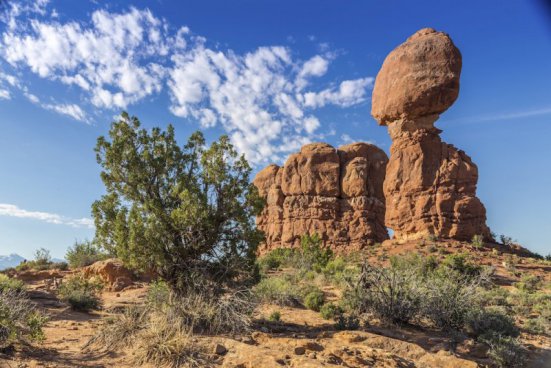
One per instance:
(430, 186)
(336, 193)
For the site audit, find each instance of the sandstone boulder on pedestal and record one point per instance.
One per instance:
(430, 186)
(335, 193)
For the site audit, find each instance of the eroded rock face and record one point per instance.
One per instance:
(430, 186)
(336, 193)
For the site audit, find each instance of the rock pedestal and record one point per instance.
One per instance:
(335, 193)
(430, 186)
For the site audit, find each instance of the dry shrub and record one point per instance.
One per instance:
(20, 321)
(167, 343)
(163, 331)
(506, 352)
(119, 331)
(229, 313)
(393, 294)
(450, 296)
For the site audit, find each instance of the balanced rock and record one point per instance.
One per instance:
(335, 193)
(430, 186)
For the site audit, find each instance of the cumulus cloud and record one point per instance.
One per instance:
(111, 57)
(350, 92)
(256, 97)
(265, 99)
(52, 218)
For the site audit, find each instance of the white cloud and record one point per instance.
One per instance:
(316, 67)
(5, 94)
(112, 57)
(350, 92)
(346, 139)
(264, 99)
(256, 97)
(71, 110)
(33, 98)
(52, 218)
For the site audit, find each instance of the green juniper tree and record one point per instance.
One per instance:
(185, 213)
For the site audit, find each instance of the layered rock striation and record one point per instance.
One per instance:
(430, 186)
(335, 193)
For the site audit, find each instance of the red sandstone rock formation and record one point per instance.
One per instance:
(336, 193)
(430, 186)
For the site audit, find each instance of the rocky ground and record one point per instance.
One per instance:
(300, 339)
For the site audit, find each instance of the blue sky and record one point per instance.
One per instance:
(271, 74)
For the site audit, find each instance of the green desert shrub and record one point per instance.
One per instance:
(495, 296)
(538, 326)
(413, 289)
(312, 256)
(449, 296)
(83, 254)
(80, 293)
(347, 322)
(20, 321)
(276, 258)
(158, 293)
(277, 290)
(314, 300)
(506, 352)
(477, 241)
(393, 294)
(330, 311)
(8, 283)
(529, 283)
(274, 316)
(334, 267)
(42, 261)
(487, 323)
(543, 308)
(460, 262)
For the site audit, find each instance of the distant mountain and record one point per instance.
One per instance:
(10, 261)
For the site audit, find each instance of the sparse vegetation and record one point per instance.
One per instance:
(7, 283)
(330, 311)
(506, 240)
(161, 332)
(460, 262)
(347, 322)
(529, 283)
(84, 253)
(486, 324)
(506, 352)
(477, 241)
(314, 300)
(393, 293)
(42, 261)
(275, 316)
(20, 321)
(81, 293)
(278, 290)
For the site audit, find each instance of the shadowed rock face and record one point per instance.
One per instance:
(336, 193)
(430, 186)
